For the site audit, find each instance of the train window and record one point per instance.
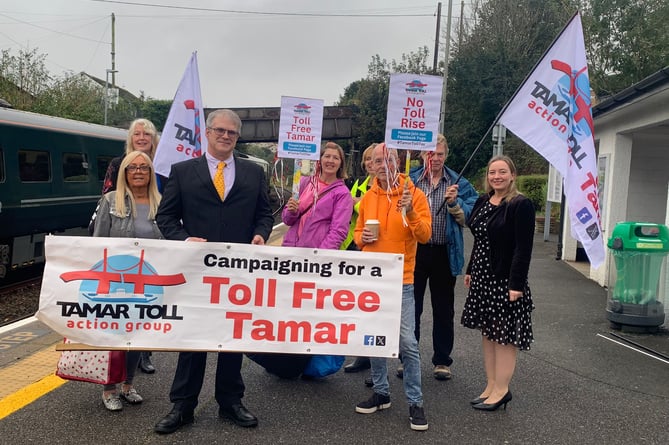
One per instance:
(34, 166)
(2, 166)
(75, 167)
(103, 163)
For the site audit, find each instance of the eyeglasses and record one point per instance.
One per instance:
(223, 132)
(141, 168)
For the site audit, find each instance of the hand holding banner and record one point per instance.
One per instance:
(126, 293)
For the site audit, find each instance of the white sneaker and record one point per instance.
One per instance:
(112, 401)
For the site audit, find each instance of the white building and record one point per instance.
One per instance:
(632, 142)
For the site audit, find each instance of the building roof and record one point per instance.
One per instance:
(650, 83)
(122, 92)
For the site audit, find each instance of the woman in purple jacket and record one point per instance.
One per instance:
(319, 219)
(322, 215)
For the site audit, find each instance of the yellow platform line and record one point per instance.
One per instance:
(26, 396)
(31, 378)
(28, 380)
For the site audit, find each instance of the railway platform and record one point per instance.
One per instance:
(580, 383)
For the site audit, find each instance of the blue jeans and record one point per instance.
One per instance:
(409, 352)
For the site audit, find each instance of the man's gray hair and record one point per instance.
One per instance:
(227, 113)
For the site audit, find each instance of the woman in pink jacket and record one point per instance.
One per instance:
(321, 216)
(319, 219)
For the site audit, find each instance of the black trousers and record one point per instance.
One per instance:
(432, 265)
(189, 377)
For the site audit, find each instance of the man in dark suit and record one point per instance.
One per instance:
(217, 197)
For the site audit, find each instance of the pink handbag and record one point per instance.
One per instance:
(104, 367)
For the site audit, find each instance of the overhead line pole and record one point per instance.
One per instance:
(446, 51)
(113, 50)
(436, 40)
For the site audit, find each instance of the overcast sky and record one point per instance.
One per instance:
(247, 58)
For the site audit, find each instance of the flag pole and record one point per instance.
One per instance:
(506, 105)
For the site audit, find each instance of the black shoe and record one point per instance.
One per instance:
(359, 364)
(145, 364)
(173, 421)
(369, 382)
(417, 418)
(477, 400)
(238, 414)
(375, 403)
(493, 406)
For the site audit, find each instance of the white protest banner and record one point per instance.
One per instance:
(174, 295)
(552, 113)
(414, 104)
(181, 138)
(300, 128)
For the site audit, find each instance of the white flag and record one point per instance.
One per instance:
(181, 138)
(551, 112)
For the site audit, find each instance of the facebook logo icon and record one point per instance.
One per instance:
(369, 340)
(584, 215)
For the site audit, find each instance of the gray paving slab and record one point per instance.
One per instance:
(574, 386)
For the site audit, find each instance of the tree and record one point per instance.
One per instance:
(27, 85)
(155, 110)
(627, 40)
(72, 97)
(22, 77)
(487, 67)
(369, 97)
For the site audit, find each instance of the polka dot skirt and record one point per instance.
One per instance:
(487, 307)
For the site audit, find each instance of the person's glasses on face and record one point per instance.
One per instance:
(224, 131)
(142, 168)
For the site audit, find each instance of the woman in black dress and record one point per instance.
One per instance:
(499, 302)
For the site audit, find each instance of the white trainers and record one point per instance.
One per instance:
(131, 396)
(112, 401)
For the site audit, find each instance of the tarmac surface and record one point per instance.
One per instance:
(579, 384)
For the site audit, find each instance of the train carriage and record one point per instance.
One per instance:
(51, 172)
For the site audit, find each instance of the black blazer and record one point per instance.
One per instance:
(510, 231)
(191, 206)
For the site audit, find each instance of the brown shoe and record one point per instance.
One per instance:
(442, 372)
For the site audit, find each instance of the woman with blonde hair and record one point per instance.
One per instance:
(499, 303)
(142, 136)
(129, 212)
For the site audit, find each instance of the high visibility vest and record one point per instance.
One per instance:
(357, 191)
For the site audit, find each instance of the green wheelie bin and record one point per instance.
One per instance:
(638, 250)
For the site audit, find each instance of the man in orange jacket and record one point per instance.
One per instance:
(404, 215)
